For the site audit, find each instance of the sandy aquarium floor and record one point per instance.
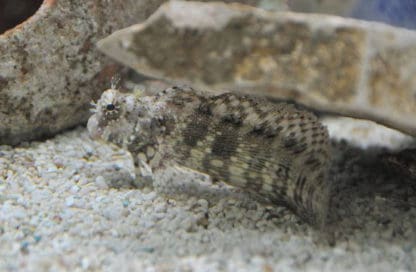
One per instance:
(68, 204)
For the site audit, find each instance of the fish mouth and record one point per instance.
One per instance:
(93, 128)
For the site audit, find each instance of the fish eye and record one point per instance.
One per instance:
(110, 107)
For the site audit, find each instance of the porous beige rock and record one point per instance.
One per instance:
(346, 66)
(50, 69)
(323, 6)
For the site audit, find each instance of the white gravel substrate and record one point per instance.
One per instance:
(67, 204)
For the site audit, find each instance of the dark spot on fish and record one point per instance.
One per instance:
(289, 142)
(225, 145)
(196, 130)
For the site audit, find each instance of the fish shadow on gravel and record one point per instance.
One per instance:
(369, 197)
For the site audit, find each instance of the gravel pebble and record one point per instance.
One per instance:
(68, 204)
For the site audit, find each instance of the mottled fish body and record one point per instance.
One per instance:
(273, 150)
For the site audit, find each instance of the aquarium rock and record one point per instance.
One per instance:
(350, 67)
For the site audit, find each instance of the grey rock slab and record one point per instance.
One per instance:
(323, 6)
(50, 69)
(350, 67)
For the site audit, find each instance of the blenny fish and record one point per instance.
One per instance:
(276, 151)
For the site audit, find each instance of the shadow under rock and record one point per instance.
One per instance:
(369, 197)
